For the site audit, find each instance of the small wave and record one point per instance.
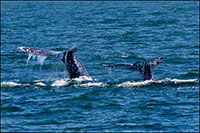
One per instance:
(124, 56)
(123, 32)
(192, 54)
(40, 84)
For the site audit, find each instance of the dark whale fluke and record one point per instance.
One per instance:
(144, 67)
(74, 66)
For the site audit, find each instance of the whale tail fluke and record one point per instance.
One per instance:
(155, 62)
(74, 66)
(147, 68)
(37, 51)
(144, 67)
(40, 52)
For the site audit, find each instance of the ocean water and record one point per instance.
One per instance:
(39, 96)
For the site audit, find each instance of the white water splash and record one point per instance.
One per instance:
(40, 58)
(67, 81)
(61, 82)
(147, 82)
(30, 56)
(132, 84)
(83, 78)
(176, 81)
(110, 70)
(10, 84)
(77, 82)
(99, 84)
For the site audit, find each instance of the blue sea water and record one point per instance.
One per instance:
(42, 98)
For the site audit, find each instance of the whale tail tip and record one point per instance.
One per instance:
(73, 49)
(161, 58)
